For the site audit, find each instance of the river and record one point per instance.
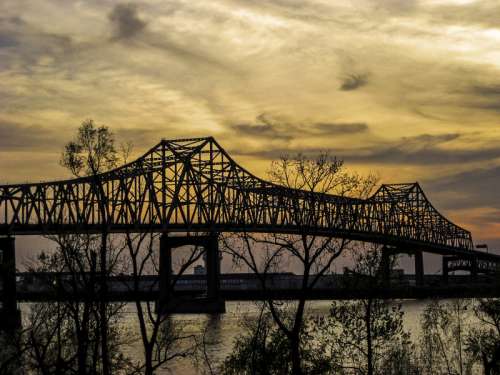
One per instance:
(221, 330)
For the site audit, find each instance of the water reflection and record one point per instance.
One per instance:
(220, 330)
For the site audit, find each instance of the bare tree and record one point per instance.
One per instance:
(312, 255)
(67, 332)
(162, 340)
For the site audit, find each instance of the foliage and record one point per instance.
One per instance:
(483, 341)
(262, 348)
(365, 336)
(11, 353)
(444, 328)
(355, 325)
(93, 150)
(91, 153)
(64, 337)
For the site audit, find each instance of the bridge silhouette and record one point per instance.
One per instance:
(194, 186)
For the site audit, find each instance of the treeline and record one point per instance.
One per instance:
(363, 337)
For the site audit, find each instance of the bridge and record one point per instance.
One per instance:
(193, 186)
(47, 286)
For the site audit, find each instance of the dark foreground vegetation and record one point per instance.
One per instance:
(360, 337)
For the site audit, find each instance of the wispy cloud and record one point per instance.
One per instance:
(273, 128)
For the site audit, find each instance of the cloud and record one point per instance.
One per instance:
(353, 82)
(334, 128)
(424, 149)
(143, 139)
(7, 40)
(474, 188)
(274, 128)
(489, 91)
(481, 13)
(126, 21)
(19, 137)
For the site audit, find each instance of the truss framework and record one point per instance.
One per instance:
(486, 266)
(194, 185)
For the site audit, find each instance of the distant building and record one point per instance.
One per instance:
(200, 270)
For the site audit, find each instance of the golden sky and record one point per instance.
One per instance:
(406, 88)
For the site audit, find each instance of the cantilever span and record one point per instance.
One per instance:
(194, 185)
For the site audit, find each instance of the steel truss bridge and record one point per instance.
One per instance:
(194, 186)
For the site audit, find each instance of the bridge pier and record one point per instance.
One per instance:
(419, 267)
(10, 316)
(385, 263)
(168, 302)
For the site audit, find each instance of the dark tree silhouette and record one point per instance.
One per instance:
(313, 255)
(443, 347)
(364, 335)
(483, 341)
(162, 340)
(91, 153)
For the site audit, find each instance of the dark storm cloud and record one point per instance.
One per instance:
(128, 25)
(17, 137)
(126, 21)
(474, 188)
(269, 127)
(353, 82)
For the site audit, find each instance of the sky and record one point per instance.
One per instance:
(408, 89)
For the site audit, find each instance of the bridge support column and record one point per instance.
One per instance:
(10, 316)
(445, 269)
(385, 265)
(170, 303)
(213, 267)
(419, 268)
